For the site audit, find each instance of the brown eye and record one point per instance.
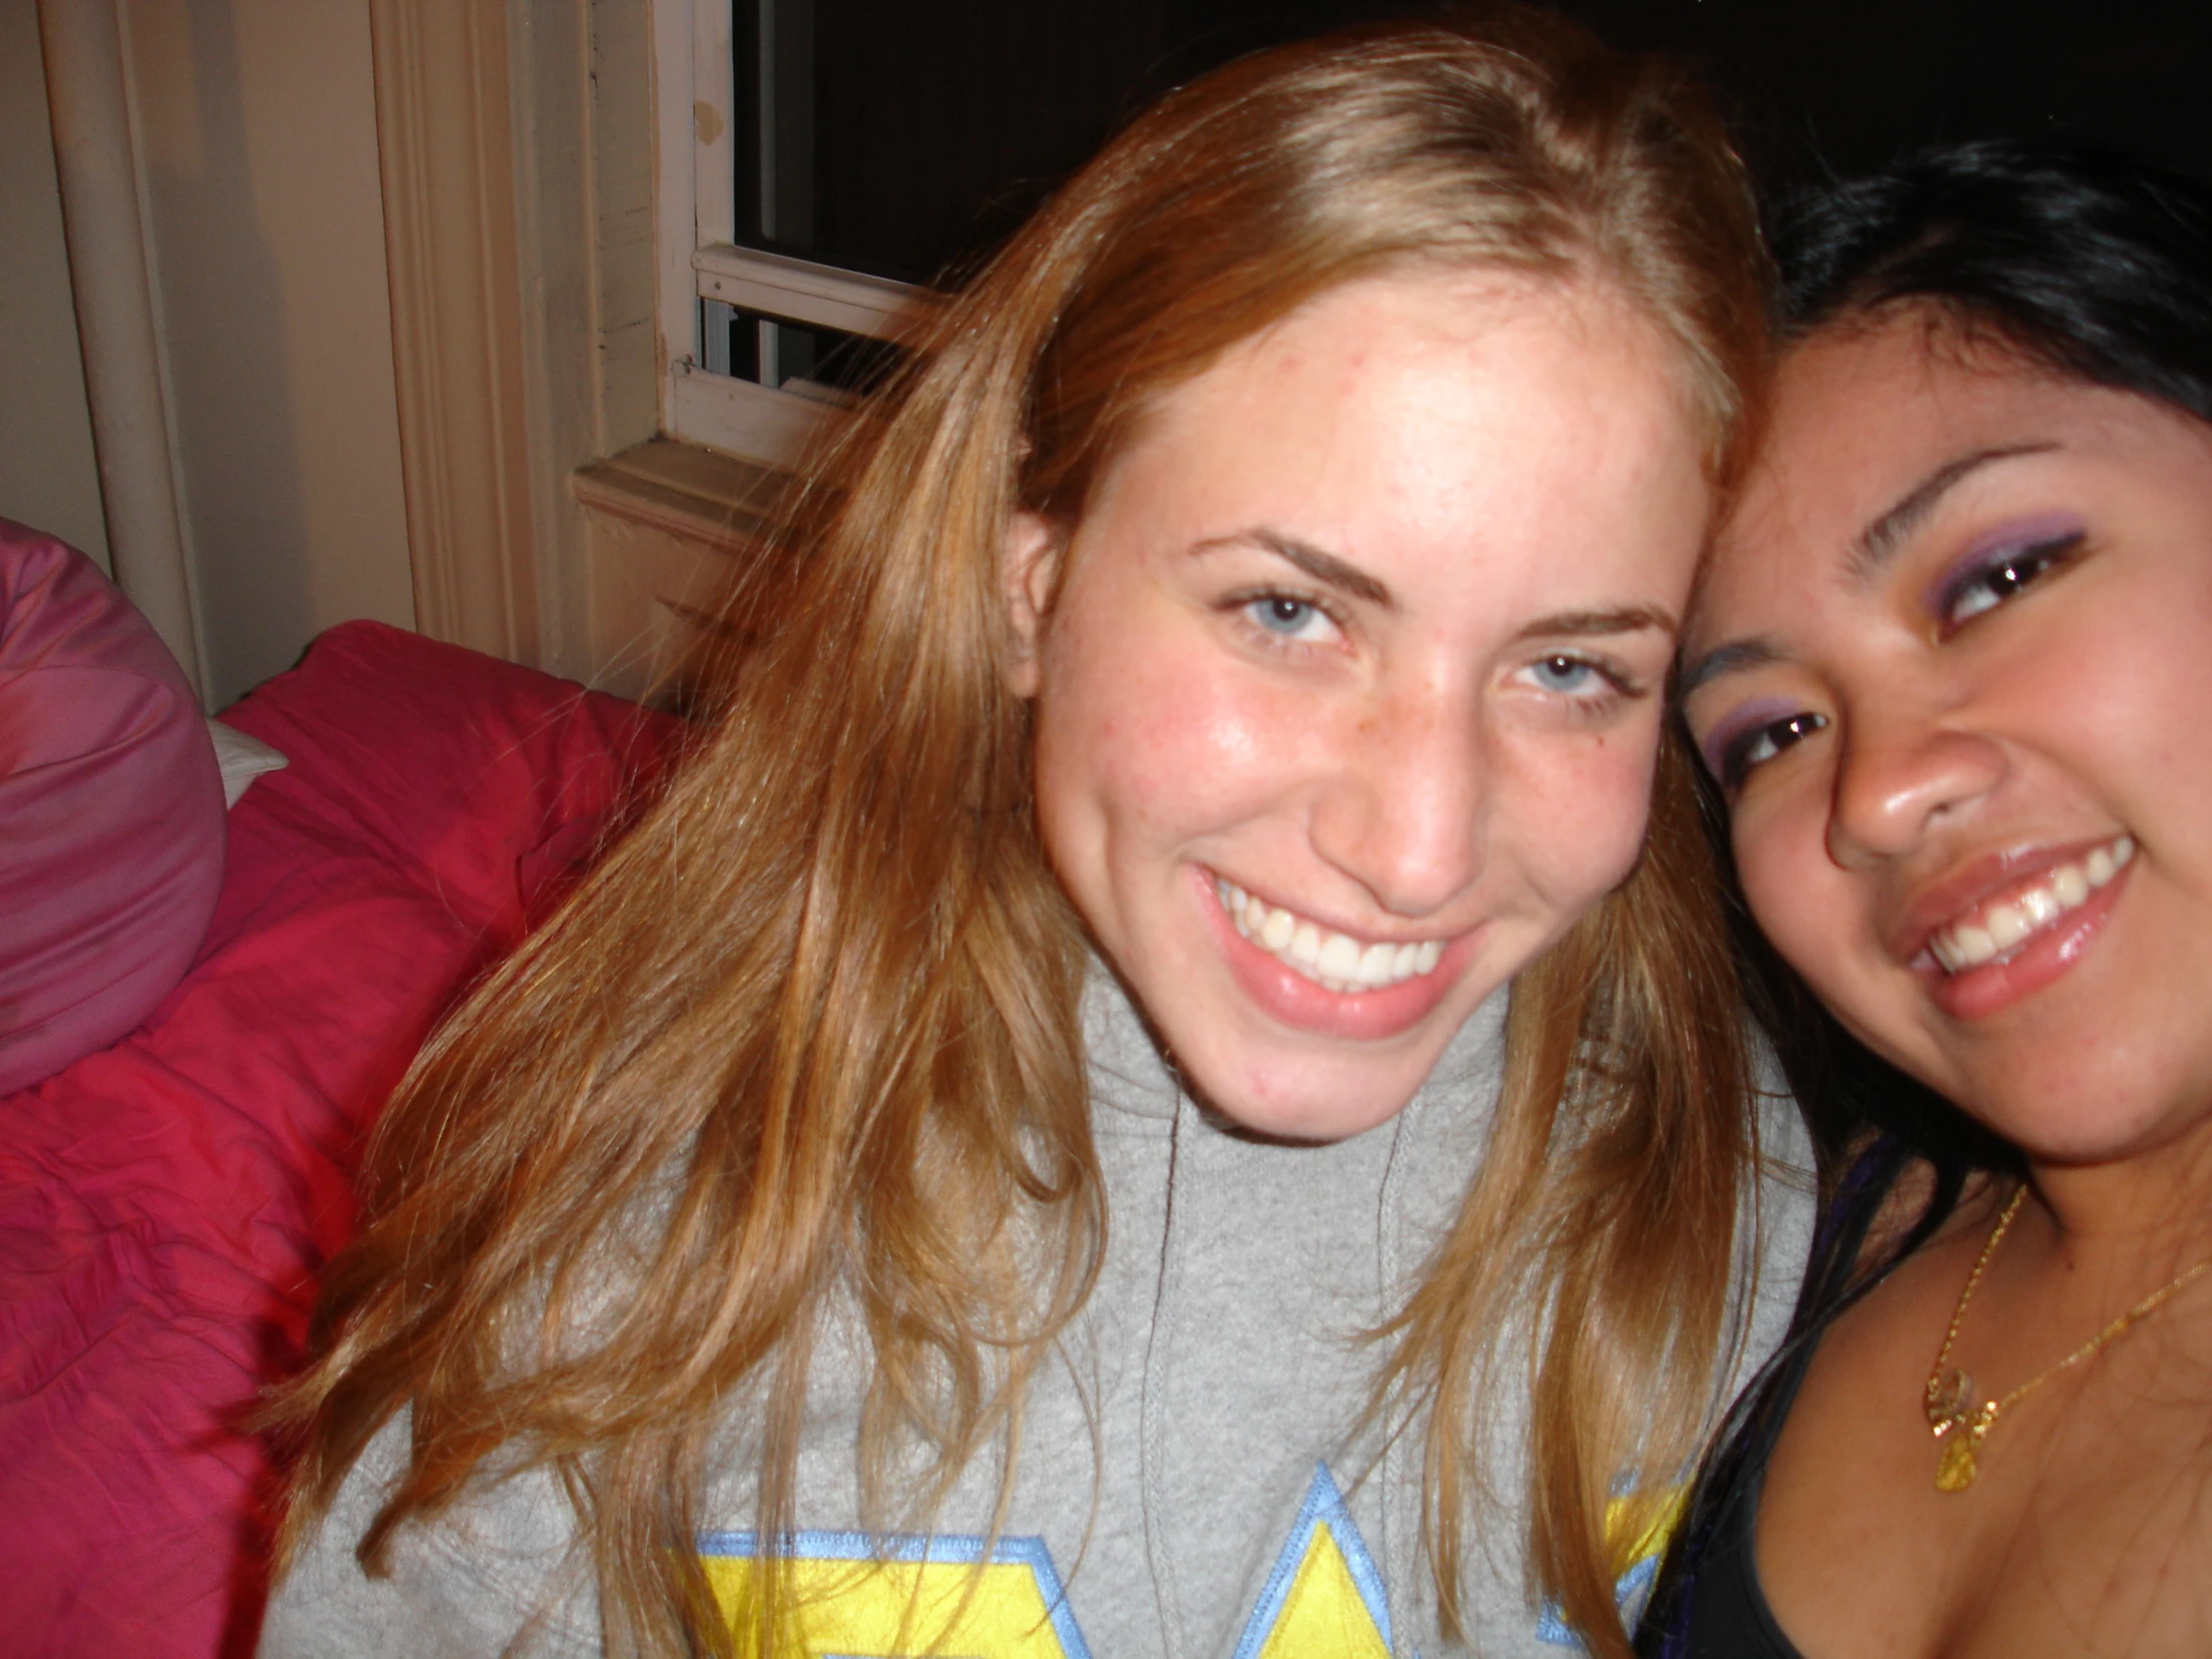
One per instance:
(1993, 583)
(1761, 744)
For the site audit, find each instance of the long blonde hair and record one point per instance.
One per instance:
(810, 1029)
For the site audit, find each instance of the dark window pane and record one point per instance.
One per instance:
(901, 136)
(906, 135)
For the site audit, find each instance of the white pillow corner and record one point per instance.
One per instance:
(242, 759)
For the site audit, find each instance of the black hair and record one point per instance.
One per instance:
(2093, 262)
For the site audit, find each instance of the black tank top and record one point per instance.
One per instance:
(1728, 1613)
(1709, 1603)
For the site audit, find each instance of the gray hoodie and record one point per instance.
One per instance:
(1190, 1481)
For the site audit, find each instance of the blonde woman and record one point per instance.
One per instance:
(1028, 1149)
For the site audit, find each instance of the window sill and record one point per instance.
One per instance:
(665, 525)
(697, 496)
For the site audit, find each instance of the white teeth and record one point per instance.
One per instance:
(1336, 961)
(1961, 947)
(2002, 927)
(1340, 958)
(2006, 926)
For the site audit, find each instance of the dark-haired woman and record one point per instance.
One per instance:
(1953, 675)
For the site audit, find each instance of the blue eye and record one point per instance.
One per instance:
(1565, 675)
(1280, 612)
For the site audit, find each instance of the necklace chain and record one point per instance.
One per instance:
(1959, 1425)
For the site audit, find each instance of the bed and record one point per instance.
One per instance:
(167, 1201)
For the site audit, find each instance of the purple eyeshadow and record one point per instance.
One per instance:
(1744, 717)
(2014, 537)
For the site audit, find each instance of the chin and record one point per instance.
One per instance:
(1313, 1102)
(2090, 1126)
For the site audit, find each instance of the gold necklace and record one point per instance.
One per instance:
(1962, 1426)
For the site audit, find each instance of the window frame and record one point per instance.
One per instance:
(694, 207)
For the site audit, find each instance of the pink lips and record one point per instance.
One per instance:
(2044, 956)
(1290, 999)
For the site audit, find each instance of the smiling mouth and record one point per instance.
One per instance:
(1992, 932)
(1335, 961)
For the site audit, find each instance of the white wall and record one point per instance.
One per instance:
(47, 473)
(254, 127)
(258, 139)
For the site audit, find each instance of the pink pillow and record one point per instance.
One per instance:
(111, 811)
(166, 1204)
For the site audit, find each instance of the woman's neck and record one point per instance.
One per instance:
(2147, 1213)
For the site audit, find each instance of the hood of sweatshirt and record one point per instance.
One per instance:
(1258, 1268)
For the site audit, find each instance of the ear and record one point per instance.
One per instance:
(1029, 571)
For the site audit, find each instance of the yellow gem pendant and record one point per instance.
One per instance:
(1955, 1469)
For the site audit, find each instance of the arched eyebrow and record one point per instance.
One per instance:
(1732, 657)
(1887, 530)
(1345, 577)
(1870, 549)
(1349, 578)
(1628, 619)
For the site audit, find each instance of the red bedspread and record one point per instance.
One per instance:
(165, 1205)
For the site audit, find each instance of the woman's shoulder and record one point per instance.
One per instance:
(496, 1573)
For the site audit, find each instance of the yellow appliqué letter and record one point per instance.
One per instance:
(898, 1598)
(1324, 1595)
(1642, 1552)
(860, 1597)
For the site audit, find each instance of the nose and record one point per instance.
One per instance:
(1898, 781)
(1401, 813)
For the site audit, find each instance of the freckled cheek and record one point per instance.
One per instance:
(1581, 821)
(1182, 750)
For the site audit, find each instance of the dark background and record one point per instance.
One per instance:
(928, 128)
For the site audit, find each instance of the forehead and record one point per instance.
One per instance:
(1418, 391)
(1434, 333)
(1862, 411)
(1870, 417)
